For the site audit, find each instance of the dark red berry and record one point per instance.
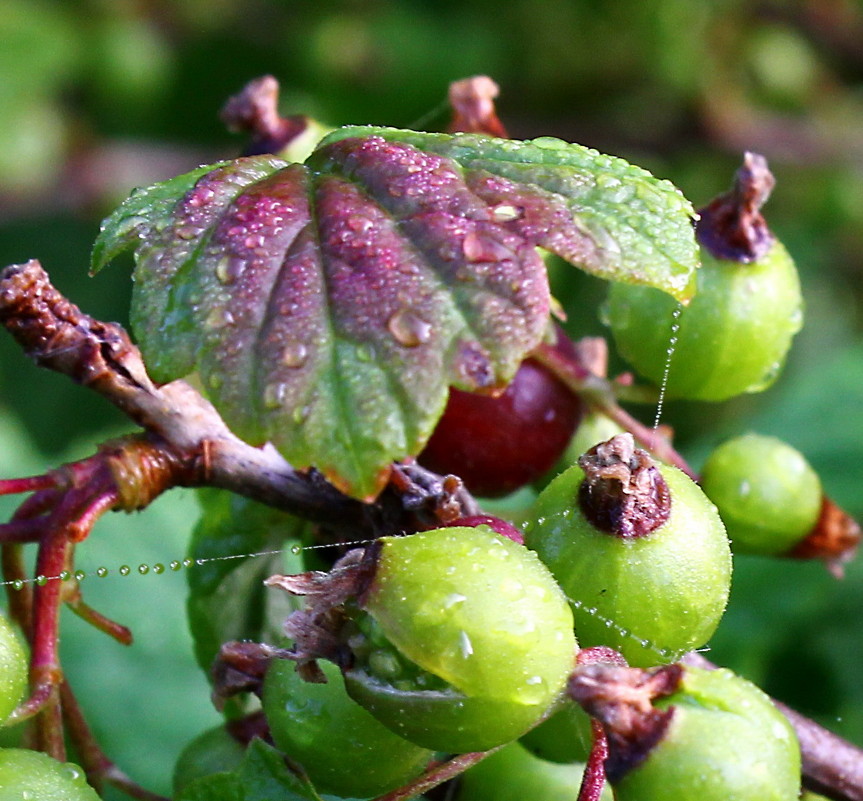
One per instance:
(497, 445)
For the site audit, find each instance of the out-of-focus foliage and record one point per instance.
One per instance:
(98, 96)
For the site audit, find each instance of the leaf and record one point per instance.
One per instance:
(242, 543)
(329, 306)
(261, 776)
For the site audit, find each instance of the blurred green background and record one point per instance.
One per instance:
(99, 96)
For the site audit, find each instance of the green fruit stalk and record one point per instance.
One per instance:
(638, 549)
(735, 333)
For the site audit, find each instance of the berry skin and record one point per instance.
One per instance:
(13, 669)
(470, 640)
(342, 748)
(733, 335)
(716, 737)
(767, 494)
(513, 774)
(652, 595)
(32, 774)
(498, 444)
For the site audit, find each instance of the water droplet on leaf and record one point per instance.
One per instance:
(409, 329)
(295, 355)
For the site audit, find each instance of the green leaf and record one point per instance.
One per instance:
(240, 543)
(261, 776)
(329, 306)
(601, 213)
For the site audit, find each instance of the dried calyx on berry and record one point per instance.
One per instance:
(418, 624)
(734, 334)
(637, 548)
(623, 491)
(677, 732)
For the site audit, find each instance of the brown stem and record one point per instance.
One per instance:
(598, 393)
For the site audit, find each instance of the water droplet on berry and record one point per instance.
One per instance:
(409, 329)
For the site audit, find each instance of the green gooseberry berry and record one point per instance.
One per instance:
(735, 333)
(13, 668)
(768, 495)
(711, 736)
(513, 774)
(342, 748)
(32, 774)
(639, 550)
(468, 639)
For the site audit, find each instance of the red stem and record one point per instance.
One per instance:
(15, 486)
(594, 772)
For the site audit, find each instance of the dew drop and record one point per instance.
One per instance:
(65, 575)
(464, 644)
(124, 570)
(143, 569)
(409, 329)
(41, 580)
(18, 584)
(295, 355)
(275, 394)
(300, 413)
(158, 568)
(188, 562)
(101, 572)
(505, 212)
(672, 344)
(80, 575)
(187, 232)
(219, 318)
(174, 565)
(73, 772)
(296, 549)
(200, 562)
